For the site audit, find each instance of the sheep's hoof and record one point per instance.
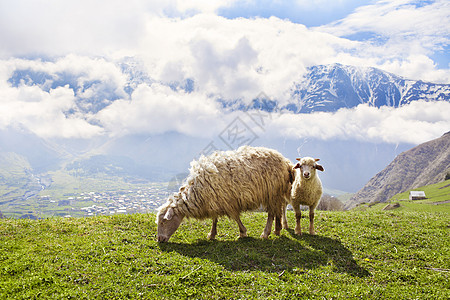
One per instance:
(277, 233)
(211, 237)
(243, 235)
(264, 236)
(298, 232)
(312, 233)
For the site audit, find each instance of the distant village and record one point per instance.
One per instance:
(143, 200)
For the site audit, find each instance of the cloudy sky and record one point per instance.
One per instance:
(126, 63)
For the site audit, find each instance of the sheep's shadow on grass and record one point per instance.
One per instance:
(297, 254)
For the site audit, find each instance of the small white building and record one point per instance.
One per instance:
(417, 195)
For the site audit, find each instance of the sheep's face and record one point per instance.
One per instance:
(308, 167)
(168, 222)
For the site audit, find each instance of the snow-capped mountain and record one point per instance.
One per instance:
(322, 88)
(331, 87)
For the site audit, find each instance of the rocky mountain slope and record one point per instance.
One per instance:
(422, 165)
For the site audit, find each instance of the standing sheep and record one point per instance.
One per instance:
(227, 183)
(306, 190)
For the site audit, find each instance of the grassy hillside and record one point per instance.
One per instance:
(369, 255)
(15, 178)
(422, 165)
(437, 196)
(435, 193)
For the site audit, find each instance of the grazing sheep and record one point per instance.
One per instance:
(306, 190)
(227, 183)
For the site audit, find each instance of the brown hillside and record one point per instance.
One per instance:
(424, 164)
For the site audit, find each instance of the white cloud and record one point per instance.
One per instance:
(419, 67)
(83, 68)
(236, 58)
(101, 27)
(115, 29)
(414, 123)
(399, 19)
(158, 109)
(53, 111)
(52, 27)
(204, 6)
(401, 35)
(233, 59)
(44, 113)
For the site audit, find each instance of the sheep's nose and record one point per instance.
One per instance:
(306, 174)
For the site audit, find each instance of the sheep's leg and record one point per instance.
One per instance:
(311, 220)
(268, 227)
(242, 229)
(212, 234)
(298, 218)
(278, 224)
(284, 218)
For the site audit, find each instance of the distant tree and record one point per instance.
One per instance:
(328, 202)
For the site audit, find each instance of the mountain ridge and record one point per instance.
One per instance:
(324, 88)
(331, 87)
(328, 88)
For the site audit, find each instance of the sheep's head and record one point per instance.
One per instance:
(168, 222)
(308, 167)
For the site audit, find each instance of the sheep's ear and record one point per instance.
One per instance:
(317, 159)
(169, 214)
(297, 166)
(319, 167)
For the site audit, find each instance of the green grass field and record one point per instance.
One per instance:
(364, 255)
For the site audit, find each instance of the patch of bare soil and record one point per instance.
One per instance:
(391, 206)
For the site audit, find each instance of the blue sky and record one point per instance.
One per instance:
(308, 13)
(442, 57)
(229, 49)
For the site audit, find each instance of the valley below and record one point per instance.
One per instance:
(60, 194)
